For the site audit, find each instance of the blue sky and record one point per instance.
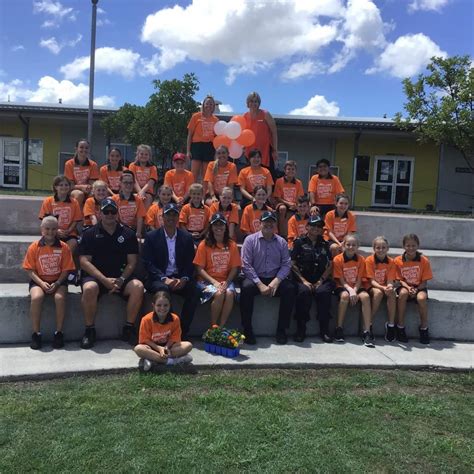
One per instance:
(306, 57)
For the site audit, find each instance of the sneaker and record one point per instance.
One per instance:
(327, 338)
(401, 335)
(35, 341)
(250, 338)
(183, 360)
(424, 336)
(58, 340)
(281, 337)
(129, 334)
(145, 365)
(88, 339)
(339, 335)
(367, 339)
(389, 333)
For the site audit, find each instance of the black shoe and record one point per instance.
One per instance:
(367, 339)
(424, 336)
(35, 341)
(250, 338)
(327, 338)
(129, 334)
(389, 333)
(339, 335)
(401, 335)
(300, 335)
(58, 340)
(88, 339)
(371, 332)
(281, 337)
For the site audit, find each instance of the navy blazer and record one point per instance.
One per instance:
(155, 254)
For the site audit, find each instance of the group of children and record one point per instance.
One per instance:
(78, 193)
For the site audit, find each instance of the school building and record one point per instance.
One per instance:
(380, 166)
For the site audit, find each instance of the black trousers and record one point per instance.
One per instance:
(287, 293)
(322, 296)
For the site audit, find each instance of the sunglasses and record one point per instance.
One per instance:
(108, 212)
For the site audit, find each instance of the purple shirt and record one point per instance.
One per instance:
(263, 258)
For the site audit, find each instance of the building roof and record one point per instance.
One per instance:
(52, 108)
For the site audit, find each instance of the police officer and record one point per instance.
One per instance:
(312, 268)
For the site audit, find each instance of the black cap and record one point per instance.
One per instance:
(108, 202)
(315, 220)
(218, 217)
(170, 207)
(268, 215)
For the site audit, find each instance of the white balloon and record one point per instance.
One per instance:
(233, 130)
(219, 127)
(235, 149)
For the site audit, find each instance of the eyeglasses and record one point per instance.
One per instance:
(108, 212)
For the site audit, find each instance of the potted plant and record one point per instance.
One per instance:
(222, 341)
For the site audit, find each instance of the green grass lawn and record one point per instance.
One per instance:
(233, 421)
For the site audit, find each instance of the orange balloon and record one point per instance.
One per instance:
(239, 119)
(221, 140)
(246, 138)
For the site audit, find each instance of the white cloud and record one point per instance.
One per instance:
(305, 68)
(17, 47)
(101, 21)
(407, 56)
(427, 5)
(251, 69)
(225, 108)
(159, 63)
(318, 106)
(55, 9)
(50, 90)
(55, 47)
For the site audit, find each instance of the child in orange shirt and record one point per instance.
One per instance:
(351, 287)
(413, 273)
(381, 272)
(286, 193)
(131, 209)
(323, 188)
(81, 172)
(145, 174)
(220, 173)
(228, 208)
(217, 262)
(297, 222)
(111, 172)
(92, 205)
(338, 223)
(154, 215)
(179, 179)
(194, 216)
(48, 262)
(159, 340)
(250, 222)
(254, 175)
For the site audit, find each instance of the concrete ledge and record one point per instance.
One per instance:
(19, 214)
(451, 316)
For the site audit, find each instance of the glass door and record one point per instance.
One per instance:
(12, 163)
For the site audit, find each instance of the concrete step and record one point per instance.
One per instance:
(452, 270)
(19, 214)
(451, 315)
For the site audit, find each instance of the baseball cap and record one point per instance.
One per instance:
(108, 202)
(179, 156)
(171, 207)
(268, 215)
(218, 217)
(315, 220)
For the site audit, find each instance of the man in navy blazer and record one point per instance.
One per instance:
(168, 254)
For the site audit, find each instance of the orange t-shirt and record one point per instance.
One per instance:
(225, 176)
(143, 174)
(48, 261)
(250, 177)
(179, 182)
(250, 222)
(325, 189)
(111, 177)
(202, 127)
(153, 330)
(339, 226)
(129, 210)
(218, 261)
(91, 208)
(350, 270)
(195, 219)
(287, 190)
(231, 213)
(66, 212)
(381, 272)
(414, 271)
(154, 216)
(81, 174)
(296, 228)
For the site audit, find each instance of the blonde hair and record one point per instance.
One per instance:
(352, 235)
(196, 187)
(254, 95)
(227, 188)
(380, 238)
(216, 161)
(49, 220)
(97, 184)
(144, 147)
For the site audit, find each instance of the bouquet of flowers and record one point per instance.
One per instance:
(219, 336)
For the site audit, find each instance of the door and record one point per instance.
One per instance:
(11, 163)
(393, 181)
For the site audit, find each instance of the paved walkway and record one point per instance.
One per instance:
(19, 361)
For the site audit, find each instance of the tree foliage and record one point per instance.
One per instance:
(439, 105)
(162, 122)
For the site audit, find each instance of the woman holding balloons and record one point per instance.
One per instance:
(199, 146)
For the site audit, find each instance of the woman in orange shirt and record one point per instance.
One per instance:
(201, 133)
(111, 172)
(217, 262)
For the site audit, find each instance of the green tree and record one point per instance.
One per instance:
(162, 122)
(439, 105)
